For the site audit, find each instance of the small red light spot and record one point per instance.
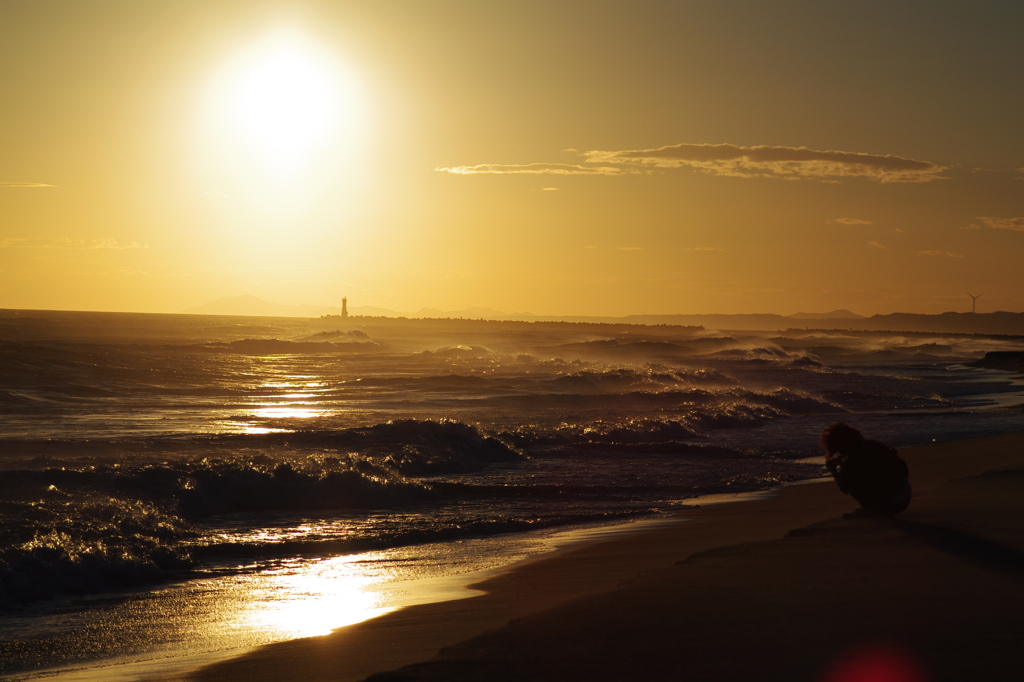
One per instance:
(876, 663)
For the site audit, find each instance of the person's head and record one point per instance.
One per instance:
(840, 437)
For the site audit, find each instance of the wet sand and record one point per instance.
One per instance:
(789, 587)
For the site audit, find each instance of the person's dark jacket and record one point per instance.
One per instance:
(872, 473)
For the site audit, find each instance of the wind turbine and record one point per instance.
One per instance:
(974, 300)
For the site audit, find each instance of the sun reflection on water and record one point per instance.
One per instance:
(292, 397)
(307, 599)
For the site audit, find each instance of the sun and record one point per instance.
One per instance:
(282, 131)
(286, 100)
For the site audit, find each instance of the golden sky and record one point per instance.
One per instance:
(583, 157)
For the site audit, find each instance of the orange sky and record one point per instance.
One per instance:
(592, 158)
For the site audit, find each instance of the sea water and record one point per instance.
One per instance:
(173, 487)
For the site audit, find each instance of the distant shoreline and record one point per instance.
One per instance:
(998, 324)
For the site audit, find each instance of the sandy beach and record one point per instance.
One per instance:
(792, 587)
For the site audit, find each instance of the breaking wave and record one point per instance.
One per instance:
(83, 526)
(126, 463)
(59, 542)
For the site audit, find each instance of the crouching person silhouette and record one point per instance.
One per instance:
(869, 471)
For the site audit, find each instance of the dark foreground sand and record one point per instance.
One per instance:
(788, 588)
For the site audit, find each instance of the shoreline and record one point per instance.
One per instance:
(521, 548)
(602, 569)
(530, 585)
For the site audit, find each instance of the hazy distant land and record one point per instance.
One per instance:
(951, 322)
(255, 306)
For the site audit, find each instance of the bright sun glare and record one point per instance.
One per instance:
(307, 599)
(286, 100)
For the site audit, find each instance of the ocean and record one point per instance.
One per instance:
(175, 487)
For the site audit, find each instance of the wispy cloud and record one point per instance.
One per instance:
(548, 189)
(25, 184)
(777, 162)
(530, 169)
(789, 163)
(1016, 224)
(629, 248)
(67, 244)
(850, 221)
(703, 248)
(877, 245)
(948, 254)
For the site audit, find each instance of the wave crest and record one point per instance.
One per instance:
(58, 545)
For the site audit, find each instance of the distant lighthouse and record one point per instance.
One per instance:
(344, 307)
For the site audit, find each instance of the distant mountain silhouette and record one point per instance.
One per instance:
(251, 305)
(841, 314)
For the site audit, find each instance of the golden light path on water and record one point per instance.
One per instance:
(287, 411)
(303, 599)
(293, 397)
(300, 597)
(203, 621)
